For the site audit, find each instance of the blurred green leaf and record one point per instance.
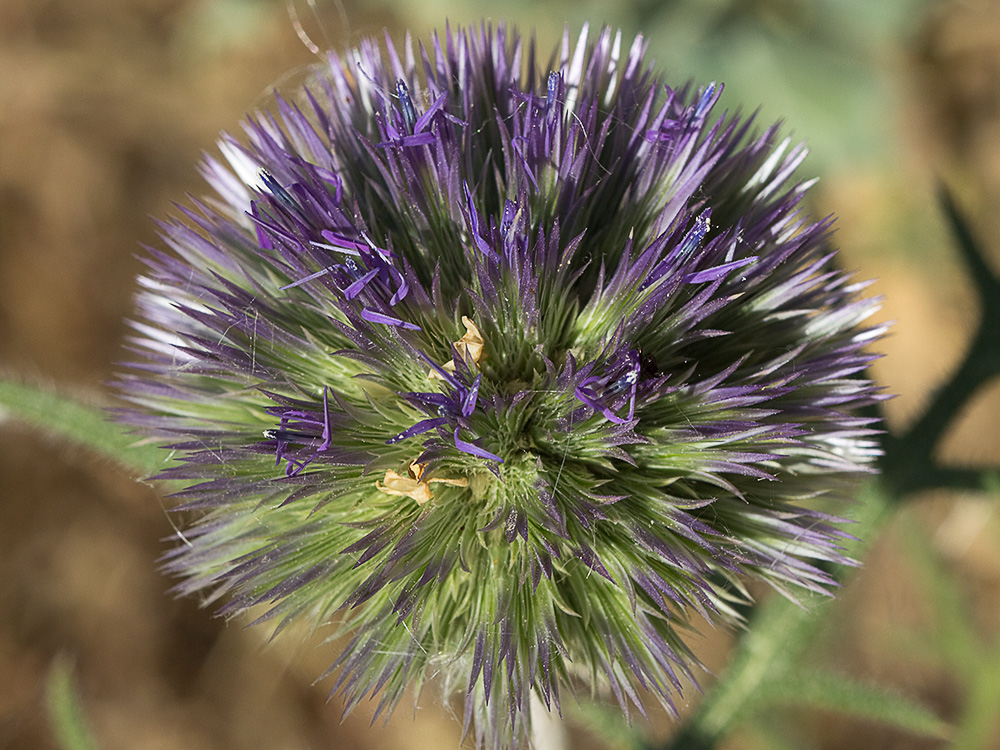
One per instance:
(953, 636)
(973, 656)
(978, 722)
(212, 27)
(65, 711)
(79, 420)
(606, 722)
(826, 690)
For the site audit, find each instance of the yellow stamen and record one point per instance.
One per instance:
(469, 347)
(415, 485)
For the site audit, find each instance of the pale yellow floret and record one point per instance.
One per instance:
(415, 485)
(470, 348)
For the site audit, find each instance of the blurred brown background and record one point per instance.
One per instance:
(105, 107)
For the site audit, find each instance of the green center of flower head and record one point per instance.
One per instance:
(542, 362)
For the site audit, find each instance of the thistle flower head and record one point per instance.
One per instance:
(505, 366)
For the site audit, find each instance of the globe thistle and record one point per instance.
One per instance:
(504, 367)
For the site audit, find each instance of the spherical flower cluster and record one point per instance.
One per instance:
(504, 367)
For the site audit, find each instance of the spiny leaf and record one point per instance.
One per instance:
(81, 421)
(955, 637)
(827, 690)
